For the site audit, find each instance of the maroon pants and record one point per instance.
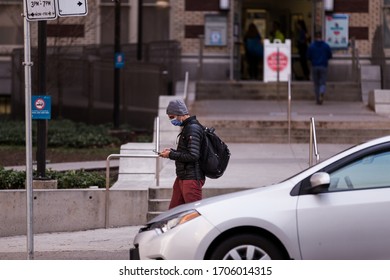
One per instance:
(185, 191)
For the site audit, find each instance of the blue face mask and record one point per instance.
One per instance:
(176, 122)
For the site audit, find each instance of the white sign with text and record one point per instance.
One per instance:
(68, 8)
(40, 10)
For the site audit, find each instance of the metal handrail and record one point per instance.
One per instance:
(157, 175)
(313, 147)
(107, 190)
(185, 91)
(289, 109)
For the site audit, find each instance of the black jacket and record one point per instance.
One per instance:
(187, 154)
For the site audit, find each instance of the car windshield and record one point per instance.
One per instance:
(371, 171)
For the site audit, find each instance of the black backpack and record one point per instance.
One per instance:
(214, 154)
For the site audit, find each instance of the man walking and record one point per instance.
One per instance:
(318, 54)
(189, 177)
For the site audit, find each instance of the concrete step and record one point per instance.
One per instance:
(258, 131)
(336, 91)
(160, 204)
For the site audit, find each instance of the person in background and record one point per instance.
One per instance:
(276, 33)
(302, 44)
(253, 50)
(318, 54)
(189, 177)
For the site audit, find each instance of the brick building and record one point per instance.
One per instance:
(210, 32)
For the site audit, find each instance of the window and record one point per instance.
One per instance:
(11, 23)
(371, 171)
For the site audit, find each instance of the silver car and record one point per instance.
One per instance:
(337, 209)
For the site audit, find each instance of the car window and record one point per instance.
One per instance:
(371, 171)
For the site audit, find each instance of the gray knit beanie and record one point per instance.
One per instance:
(177, 108)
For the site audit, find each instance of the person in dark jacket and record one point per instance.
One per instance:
(253, 51)
(189, 177)
(301, 42)
(318, 54)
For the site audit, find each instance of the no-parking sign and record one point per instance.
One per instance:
(41, 107)
(277, 61)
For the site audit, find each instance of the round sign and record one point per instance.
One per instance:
(40, 104)
(272, 61)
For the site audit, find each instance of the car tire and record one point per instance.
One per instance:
(246, 247)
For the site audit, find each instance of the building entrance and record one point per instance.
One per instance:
(275, 19)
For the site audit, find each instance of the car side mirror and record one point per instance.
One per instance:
(319, 181)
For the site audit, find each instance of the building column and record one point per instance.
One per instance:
(133, 21)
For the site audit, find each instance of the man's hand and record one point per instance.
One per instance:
(165, 153)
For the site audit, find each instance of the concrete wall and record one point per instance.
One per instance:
(71, 210)
(379, 101)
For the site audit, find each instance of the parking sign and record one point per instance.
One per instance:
(40, 10)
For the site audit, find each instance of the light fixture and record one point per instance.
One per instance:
(162, 3)
(224, 5)
(328, 5)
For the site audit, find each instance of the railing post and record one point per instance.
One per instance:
(158, 149)
(185, 91)
(311, 144)
(289, 109)
(200, 62)
(313, 147)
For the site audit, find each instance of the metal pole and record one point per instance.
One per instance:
(311, 143)
(157, 149)
(315, 147)
(231, 74)
(289, 109)
(139, 33)
(200, 59)
(41, 124)
(27, 81)
(107, 194)
(185, 94)
(277, 71)
(117, 73)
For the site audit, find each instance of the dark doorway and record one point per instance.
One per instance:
(264, 13)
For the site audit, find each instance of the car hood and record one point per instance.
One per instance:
(203, 205)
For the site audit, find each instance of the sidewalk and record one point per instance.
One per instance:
(99, 244)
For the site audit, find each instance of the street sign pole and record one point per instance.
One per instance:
(27, 80)
(39, 11)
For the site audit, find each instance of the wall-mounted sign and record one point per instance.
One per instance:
(336, 31)
(119, 60)
(215, 30)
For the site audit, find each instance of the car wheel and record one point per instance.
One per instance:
(246, 247)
